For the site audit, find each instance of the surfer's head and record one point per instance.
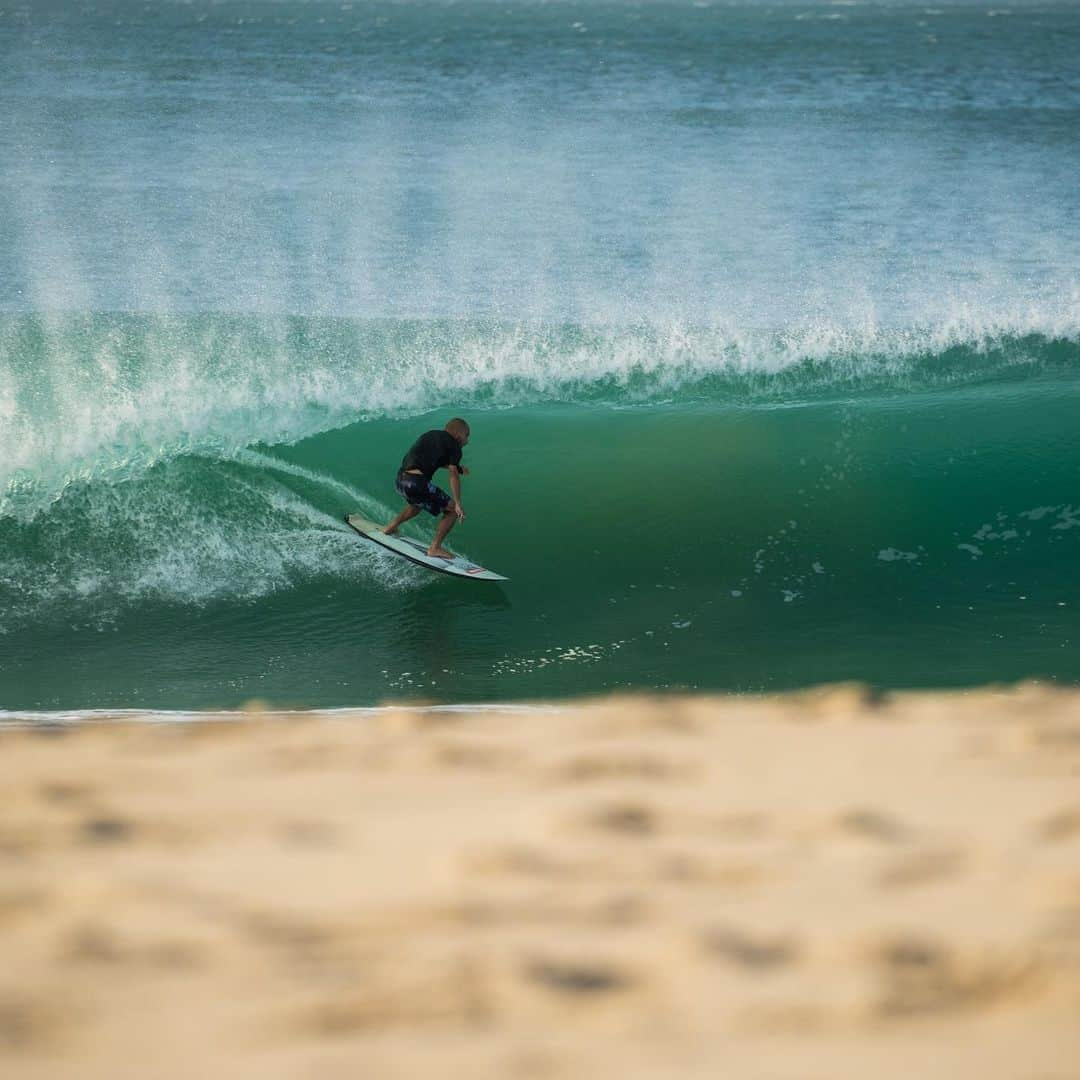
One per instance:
(459, 429)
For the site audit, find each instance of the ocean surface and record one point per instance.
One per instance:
(765, 316)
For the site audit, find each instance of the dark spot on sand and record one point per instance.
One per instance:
(874, 824)
(28, 1024)
(626, 818)
(107, 830)
(577, 977)
(758, 953)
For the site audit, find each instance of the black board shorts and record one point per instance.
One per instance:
(419, 491)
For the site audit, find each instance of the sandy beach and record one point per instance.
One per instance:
(824, 884)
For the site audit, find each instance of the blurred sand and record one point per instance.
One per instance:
(812, 886)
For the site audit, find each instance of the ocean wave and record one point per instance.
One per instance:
(871, 488)
(103, 398)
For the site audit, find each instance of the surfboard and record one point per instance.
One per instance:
(416, 552)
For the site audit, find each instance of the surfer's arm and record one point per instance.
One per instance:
(455, 489)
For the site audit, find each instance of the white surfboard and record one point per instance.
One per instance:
(416, 552)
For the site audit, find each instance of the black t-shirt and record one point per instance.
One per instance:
(434, 450)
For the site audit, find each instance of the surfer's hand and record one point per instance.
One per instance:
(461, 469)
(459, 510)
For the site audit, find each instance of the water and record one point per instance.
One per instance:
(766, 318)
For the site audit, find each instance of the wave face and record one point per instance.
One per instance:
(766, 318)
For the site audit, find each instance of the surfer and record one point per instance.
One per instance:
(434, 450)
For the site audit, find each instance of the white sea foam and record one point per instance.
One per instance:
(19, 718)
(161, 538)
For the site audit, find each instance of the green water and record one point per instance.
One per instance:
(741, 538)
(766, 317)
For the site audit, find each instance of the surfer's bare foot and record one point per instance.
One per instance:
(440, 553)
(389, 530)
